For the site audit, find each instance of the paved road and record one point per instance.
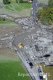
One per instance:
(32, 71)
(23, 55)
(22, 36)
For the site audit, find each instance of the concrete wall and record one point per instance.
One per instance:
(43, 1)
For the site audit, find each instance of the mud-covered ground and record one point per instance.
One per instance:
(7, 31)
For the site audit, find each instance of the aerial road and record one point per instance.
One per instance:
(20, 40)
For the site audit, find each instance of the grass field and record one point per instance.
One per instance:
(15, 9)
(11, 65)
(9, 71)
(18, 7)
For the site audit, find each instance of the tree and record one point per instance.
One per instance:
(6, 1)
(50, 3)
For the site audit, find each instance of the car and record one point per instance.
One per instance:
(41, 77)
(39, 70)
(20, 45)
(31, 64)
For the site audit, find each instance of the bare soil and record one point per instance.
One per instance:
(8, 54)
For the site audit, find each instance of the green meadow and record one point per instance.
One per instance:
(9, 70)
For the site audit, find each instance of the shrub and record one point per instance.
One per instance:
(45, 15)
(50, 3)
(2, 19)
(19, 1)
(6, 1)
